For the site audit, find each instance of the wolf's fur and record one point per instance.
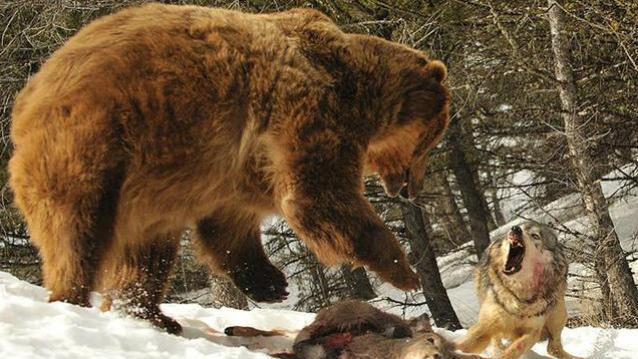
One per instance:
(357, 316)
(161, 117)
(523, 307)
(356, 330)
(420, 346)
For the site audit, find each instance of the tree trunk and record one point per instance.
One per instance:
(470, 190)
(323, 294)
(225, 294)
(358, 283)
(491, 223)
(451, 219)
(496, 202)
(608, 250)
(435, 294)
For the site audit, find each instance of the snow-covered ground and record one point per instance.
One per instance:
(31, 328)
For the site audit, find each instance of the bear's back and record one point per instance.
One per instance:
(121, 55)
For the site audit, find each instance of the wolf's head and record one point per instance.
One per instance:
(426, 346)
(526, 248)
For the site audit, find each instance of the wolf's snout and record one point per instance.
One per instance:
(516, 231)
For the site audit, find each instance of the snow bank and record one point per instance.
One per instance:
(31, 328)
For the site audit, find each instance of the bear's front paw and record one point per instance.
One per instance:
(381, 252)
(263, 283)
(404, 279)
(400, 275)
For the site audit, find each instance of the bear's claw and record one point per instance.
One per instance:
(400, 276)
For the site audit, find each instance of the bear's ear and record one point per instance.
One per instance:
(425, 96)
(436, 70)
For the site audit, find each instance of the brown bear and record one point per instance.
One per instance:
(160, 117)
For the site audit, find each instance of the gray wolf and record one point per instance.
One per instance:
(521, 282)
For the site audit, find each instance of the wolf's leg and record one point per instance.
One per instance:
(497, 346)
(476, 339)
(229, 242)
(137, 278)
(249, 332)
(521, 345)
(554, 326)
(319, 188)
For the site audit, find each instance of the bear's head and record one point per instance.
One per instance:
(417, 119)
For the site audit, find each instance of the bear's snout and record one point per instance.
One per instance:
(393, 184)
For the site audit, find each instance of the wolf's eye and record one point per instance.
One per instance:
(536, 236)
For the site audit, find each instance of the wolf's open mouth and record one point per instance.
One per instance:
(515, 255)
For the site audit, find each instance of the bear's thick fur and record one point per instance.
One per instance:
(161, 117)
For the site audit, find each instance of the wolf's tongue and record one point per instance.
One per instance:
(510, 266)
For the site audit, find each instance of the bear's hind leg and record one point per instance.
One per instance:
(69, 260)
(72, 231)
(66, 177)
(229, 242)
(137, 278)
